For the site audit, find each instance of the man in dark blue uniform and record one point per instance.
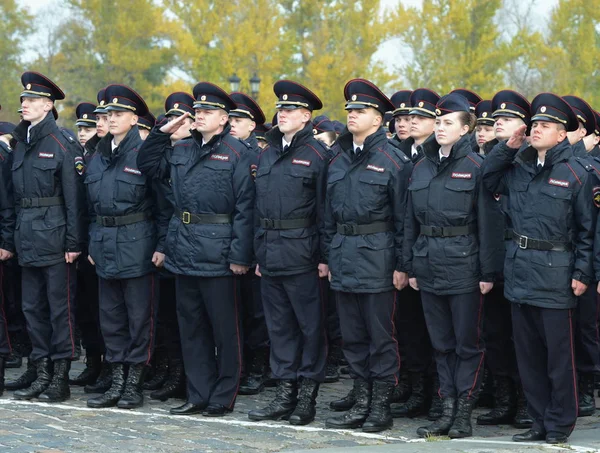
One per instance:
(548, 264)
(49, 235)
(209, 242)
(290, 200)
(366, 200)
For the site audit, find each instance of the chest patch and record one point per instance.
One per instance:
(306, 163)
(596, 193)
(46, 155)
(457, 175)
(133, 171)
(374, 168)
(221, 157)
(558, 182)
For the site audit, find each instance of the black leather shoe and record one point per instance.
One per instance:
(188, 409)
(529, 436)
(555, 437)
(215, 410)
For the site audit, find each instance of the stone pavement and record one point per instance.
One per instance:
(72, 427)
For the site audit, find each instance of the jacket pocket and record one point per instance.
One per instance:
(551, 271)
(95, 247)
(92, 184)
(420, 257)
(136, 244)
(44, 171)
(299, 182)
(219, 175)
(461, 260)
(554, 202)
(373, 189)
(299, 247)
(419, 193)
(459, 197)
(262, 182)
(130, 188)
(376, 256)
(49, 234)
(211, 245)
(335, 254)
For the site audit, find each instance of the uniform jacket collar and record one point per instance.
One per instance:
(274, 136)
(132, 140)
(555, 155)
(45, 127)
(216, 139)
(460, 149)
(376, 139)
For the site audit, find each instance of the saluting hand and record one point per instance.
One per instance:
(400, 280)
(485, 287)
(413, 284)
(517, 138)
(172, 126)
(578, 287)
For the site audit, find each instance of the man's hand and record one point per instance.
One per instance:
(5, 255)
(91, 260)
(323, 270)
(400, 280)
(70, 257)
(485, 287)
(517, 138)
(237, 269)
(172, 126)
(578, 287)
(158, 259)
(413, 284)
(257, 271)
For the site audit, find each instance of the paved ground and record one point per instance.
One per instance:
(72, 427)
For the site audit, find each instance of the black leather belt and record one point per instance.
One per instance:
(446, 232)
(508, 234)
(42, 202)
(525, 242)
(286, 224)
(205, 219)
(116, 221)
(351, 229)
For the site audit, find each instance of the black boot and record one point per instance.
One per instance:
(380, 417)
(104, 381)
(2, 365)
(587, 403)
(282, 406)
(14, 360)
(58, 390)
(402, 390)
(161, 369)
(113, 394)
(418, 402)
(174, 385)
(436, 408)
(25, 380)
(305, 410)
(359, 411)
(522, 419)
(332, 373)
(93, 366)
(41, 383)
(487, 392)
(132, 395)
(254, 381)
(442, 425)
(462, 422)
(344, 404)
(506, 404)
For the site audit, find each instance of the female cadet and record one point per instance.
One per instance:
(449, 246)
(125, 248)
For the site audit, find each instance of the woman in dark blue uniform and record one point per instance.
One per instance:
(449, 248)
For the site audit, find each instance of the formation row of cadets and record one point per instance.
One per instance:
(363, 214)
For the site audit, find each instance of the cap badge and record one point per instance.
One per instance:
(421, 104)
(354, 97)
(503, 105)
(175, 106)
(402, 105)
(203, 98)
(115, 100)
(85, 116)
(438, 112)
(102, 102)
(314, 131)
(28, 86)
(284, 97)
(484, 114)
(543, 109)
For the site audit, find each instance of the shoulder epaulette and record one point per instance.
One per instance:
(585, 164)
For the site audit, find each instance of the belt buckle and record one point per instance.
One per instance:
(523, 240)
(348, 229)
(186, 217)
(269, 224)
(108, 221)
(26, 202)
(437, 231)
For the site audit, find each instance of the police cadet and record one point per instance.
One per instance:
(168, 380)
(423, 383)
(243, 120)
(125, 248)
(50, 204)
(7, 243)
(484, 129)
(260, 132)
(324, 131)
(86, 299)
(587, 347)
(400, 119)
(290, 198)
(449, 247)
(365, 209)
(549, 262)
(208, 242)
(145, 124)
(510, 110)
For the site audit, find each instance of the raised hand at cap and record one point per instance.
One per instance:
(517, 138)
(172, 126)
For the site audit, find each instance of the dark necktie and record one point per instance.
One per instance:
(442, 159)
(357, 150)
(539, 168)
(285, 148)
